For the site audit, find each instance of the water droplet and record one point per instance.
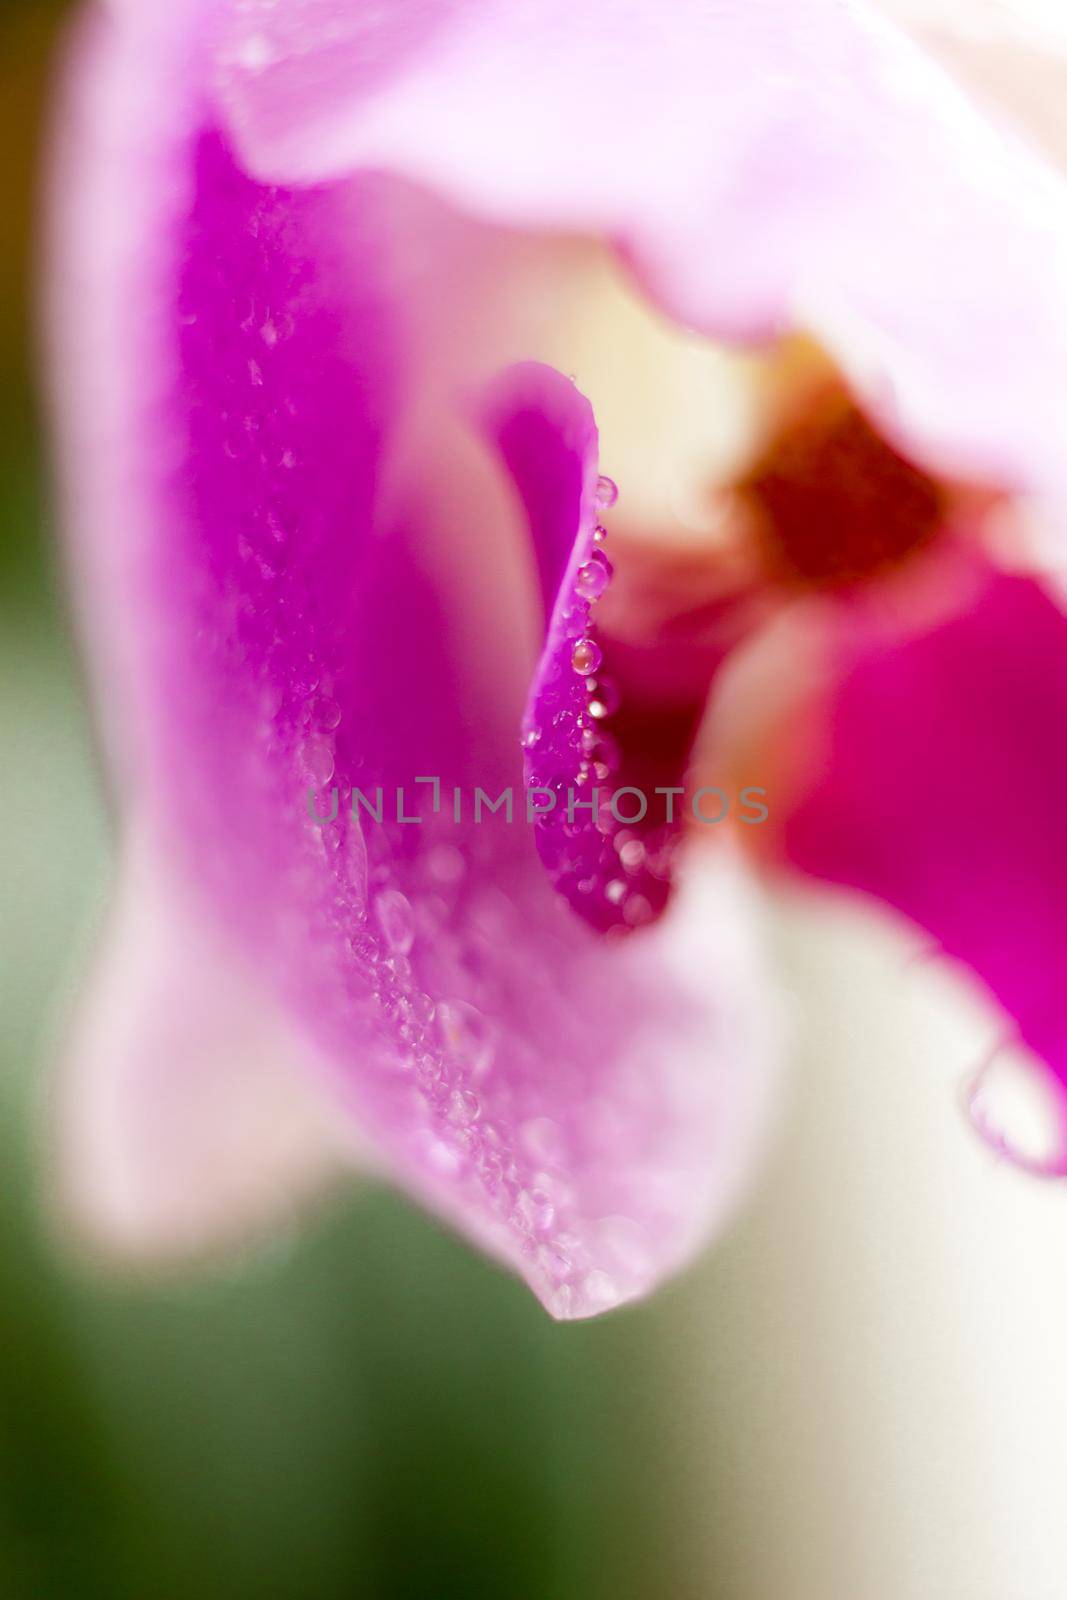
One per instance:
(492, 1170)
(535, 1210)
(304, 674)
(601, 749)
(325, 712)
(363, 949)
(399, 969)
(318, 761)
(586, 656)
(467, 1033)
(396, 920)
(532, 739)
(615, 892)
(637, 911)
(631, 854)
(605, 821)
(464, 1107)
(600, 534)
(593, 576)
(422, 1008)
(604, 699)
(607, 492)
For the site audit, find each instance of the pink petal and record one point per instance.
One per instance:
(765, 165)
(605, 829)
(943, 792)
(188, 1113)
(275, 593)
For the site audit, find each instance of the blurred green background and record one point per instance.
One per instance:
(368, 1410)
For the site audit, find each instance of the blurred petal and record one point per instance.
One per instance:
(188, 1114)
(943, 790)
(1011, 53)
(281, 597)
(765, 165)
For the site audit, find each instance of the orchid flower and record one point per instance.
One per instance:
(339, 295)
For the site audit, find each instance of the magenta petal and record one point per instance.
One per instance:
(546, 433)
(944, 792)
(575, 782)
(276, 600)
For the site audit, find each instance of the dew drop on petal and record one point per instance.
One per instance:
(304, 676)
(466, 1033)
(603, 750)
(586, 657)
(607, 492)
(541, 1211)
(396, 920)
(355, 858)
(604, 699)
(398, 967)
(422, 1008)
(317, 759)
(631, 854)
(637, 911)
(593, 577)
(325, 712)
(464, 1107)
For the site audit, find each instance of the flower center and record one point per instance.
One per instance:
(831, 503)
